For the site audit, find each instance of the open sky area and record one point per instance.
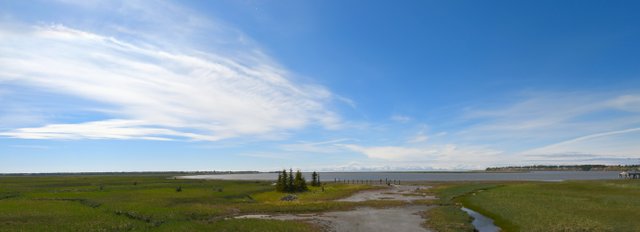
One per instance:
(317, 85)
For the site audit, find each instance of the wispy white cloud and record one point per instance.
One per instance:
(330, 146)
(371, 167)
(393, 152)
(581, 139)
(400, 118)
(549, 128)
(437, 156)
(155, 89)
(608, 147)
(39, 147)
(627, 102)
(106, 129)
(572, 127)
(442, 133)
(550, 117)
(419, 138)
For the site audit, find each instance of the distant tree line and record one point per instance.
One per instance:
(586, 167)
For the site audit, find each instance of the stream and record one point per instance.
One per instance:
(480, 222)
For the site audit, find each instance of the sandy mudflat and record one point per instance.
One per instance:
(393, 193)
(399, 219)
(366, 219)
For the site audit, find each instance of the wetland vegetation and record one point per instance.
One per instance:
(602, 205)
(152, 203)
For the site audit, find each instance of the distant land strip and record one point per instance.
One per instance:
(586, 167)
(129, 173)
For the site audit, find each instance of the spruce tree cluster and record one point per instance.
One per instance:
(289, 183)
(315, 179)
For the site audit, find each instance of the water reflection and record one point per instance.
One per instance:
(480, 222)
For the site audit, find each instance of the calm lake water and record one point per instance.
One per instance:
(431, 176)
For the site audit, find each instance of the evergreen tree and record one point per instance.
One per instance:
(314, 177)
(287, 182)
(290, 185)
(279, 186)
(300, 184)
(282, 181)
(303, 183)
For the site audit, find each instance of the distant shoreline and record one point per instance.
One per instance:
(130, 173)
(492, 170)
(586, 167)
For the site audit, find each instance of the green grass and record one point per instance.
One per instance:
(447, 216)
(564, 206)
(315, 194)
(151, 203)
(314, 200)
(34, 215)
(251, 225)
(612, 205)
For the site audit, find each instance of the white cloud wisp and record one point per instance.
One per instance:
(436, 156)
(154, 93)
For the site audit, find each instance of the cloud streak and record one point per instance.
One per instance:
(149, 92)
(584, 138)
(435, 156)
(577, 127)
(542, 128)
(546, 118)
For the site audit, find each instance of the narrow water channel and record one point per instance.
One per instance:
(480, 222)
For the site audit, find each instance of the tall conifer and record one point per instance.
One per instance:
(279, 182)
(284, 182)
(314, 177)
(290, 186)
(300, 184)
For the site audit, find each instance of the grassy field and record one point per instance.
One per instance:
(152, 203)
(612, 205)
(447, 216)
(564, 206)
(121, 203)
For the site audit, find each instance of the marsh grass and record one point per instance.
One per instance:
(447, 216)
(115, 203)
(249, 225)
(565, 206)
(331, 192)
(610, 205)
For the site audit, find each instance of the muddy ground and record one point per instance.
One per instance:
(396, 219)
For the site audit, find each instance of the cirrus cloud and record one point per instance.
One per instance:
(143, 91)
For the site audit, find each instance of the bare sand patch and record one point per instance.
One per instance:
(393, 193)
(367, 219)
(364, 219)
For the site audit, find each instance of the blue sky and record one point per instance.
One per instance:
(317, 85)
